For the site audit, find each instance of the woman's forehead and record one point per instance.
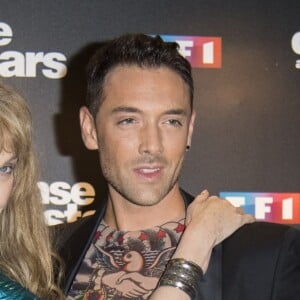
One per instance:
(6, 142)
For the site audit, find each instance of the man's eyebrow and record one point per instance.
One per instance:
(128, 109)
(176, 111)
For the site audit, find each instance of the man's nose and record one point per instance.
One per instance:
(150, 139)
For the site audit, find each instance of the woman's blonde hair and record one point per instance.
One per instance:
(25, 248)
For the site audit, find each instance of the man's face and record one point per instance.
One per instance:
(141, 131)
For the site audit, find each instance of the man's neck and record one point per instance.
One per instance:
(121, 214)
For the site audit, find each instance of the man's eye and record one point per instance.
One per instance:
(126, 121)
(6, 170)
(174, 123)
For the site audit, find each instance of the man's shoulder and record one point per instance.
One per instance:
(265, 254)
(270, 228)
(262, 236)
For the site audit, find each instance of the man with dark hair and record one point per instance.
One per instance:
(138, 50)
(152, 240)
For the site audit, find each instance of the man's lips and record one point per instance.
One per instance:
(149, 172)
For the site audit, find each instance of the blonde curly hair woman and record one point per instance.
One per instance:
(26, 258)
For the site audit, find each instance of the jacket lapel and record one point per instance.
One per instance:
(76, 239)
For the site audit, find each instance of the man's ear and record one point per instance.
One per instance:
(88, 129)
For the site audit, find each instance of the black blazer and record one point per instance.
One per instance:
(260, 261)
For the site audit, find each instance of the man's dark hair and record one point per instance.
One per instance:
(133, 49)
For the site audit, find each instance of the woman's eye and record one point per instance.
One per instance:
(6, 169)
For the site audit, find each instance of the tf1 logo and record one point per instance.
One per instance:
(200, 51)
(272, 207)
